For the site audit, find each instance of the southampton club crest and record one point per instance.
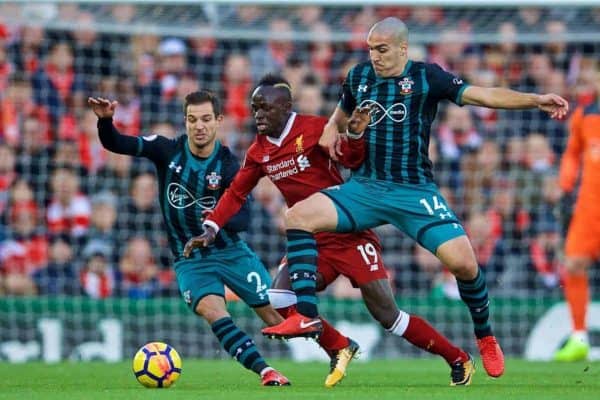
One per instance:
(214, 181)
(406, 85)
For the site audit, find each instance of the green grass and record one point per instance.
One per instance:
(377, 380)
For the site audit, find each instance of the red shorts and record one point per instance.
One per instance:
(357, 256)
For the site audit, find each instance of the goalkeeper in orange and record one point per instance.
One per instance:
(582, 245)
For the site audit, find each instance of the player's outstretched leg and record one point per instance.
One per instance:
(421, 334)
(458, 256)
(241, 347)
(339, 362)
(302, 264)
(340, 349)
(475, 295)
(461, 372)
(379, 299)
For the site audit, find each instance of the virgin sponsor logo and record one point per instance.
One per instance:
(396, 112)
(179, 197)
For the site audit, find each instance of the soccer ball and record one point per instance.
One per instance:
(157, 365)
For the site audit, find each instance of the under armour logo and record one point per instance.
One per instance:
(363, 88)
(396, 112)
(176, 167)
(445, 215)
(179, 197)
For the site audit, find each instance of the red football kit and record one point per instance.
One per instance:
(299, 167)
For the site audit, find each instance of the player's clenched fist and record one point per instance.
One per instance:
(359, 120)
(204, 240)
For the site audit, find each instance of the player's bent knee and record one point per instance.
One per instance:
(297, 217)
(211, 308)
(315, 214)
(458, 256)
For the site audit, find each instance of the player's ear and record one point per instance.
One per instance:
(220, 118)
(404, 49)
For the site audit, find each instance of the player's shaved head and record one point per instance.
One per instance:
(392, 27)
(388, 47)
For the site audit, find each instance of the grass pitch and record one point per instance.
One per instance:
(377, 380)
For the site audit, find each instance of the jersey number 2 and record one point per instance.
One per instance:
(254, 276)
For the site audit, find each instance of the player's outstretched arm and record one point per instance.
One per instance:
(109, 136)
(505, 98)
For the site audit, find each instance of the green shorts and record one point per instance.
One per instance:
(420, 211)
(236, 267)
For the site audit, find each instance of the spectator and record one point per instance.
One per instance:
(56, 82)
(94, 56)
(479, 171)
(544, 252)
(142, 215)
(206, 58)
(60, 276)
(138, 270)
(236, 85)
(128, 114)
(91, 153)
(457, 133)
(508, 220)
(97, 275)
(16, 105)
(115, 176)
(7, 174)
(6, 68)
(296, 71)
(272, 55)
(25, 251)
(28, 50)
(33, 161)
(310, 97)
(538, 162)
(103, 224)
(69, 210)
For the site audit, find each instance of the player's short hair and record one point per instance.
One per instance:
(203, 96)
(276, 81)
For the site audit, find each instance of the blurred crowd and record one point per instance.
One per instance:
(78, 220)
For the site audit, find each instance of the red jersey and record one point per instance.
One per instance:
(295, 163)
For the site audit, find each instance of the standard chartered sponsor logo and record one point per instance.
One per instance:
(396, 112)
(289, 167)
